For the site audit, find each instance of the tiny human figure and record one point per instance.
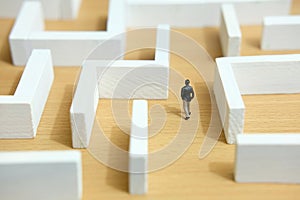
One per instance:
(187, 94)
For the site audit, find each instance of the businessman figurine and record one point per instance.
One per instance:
(187, 94)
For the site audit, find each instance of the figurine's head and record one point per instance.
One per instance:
(187, 82)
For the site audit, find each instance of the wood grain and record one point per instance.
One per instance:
(187, 178)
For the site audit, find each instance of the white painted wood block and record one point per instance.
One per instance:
(200, 13)
(27, 104)
(40, 175)
(16, 110)
(162, 51)
(84, 106)
(54, 9)
(69, 48)
(70, 9)
(281, 33)
(267, 158)
(131, 79)
(136, 79)
(29, 19)
(272, 74)
(36, 83)
(138, 149)
(9, 8)
(229, 101)
(236, 76)
(121, 79)
(230, 33)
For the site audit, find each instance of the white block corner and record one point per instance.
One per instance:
(281, 33)
(40, 175)
(24, 109)
(268, 158)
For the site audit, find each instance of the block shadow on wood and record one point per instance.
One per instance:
(59, 134)
(223, 169)
(115, 178)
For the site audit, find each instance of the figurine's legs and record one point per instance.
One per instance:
(186, 108)
(189, 108)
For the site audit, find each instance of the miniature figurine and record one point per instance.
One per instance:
(187, 94)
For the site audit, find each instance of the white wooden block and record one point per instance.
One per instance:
(54, 9)
(236, 76)
(127, 79)
(27, 104)
(36, 83)
(69, 48)
(230, 33)
(199, 13)
(84, 106)
(70, 9)
(30, 19)
(281, 33)
(40, 175)
(121, 79)
(138, 149)
(16, 110)
(10, 8)
(131, 79)
(162, 51)
(116, 22)
(274, 74)
(268, 158)
(229, 101)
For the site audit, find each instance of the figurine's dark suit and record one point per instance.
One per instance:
(187, 94)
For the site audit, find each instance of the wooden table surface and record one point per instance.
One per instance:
(188, 177)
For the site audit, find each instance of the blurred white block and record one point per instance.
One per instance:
(121, 79)
(230, 33)
(30, 19)
(54, 9)
(200, 13)
(133, 79)
(163, 40)
(84, 106)
(22, 111)
(182, 13)
(138, 149)
(40, 175)
(70, 9)
(69, 48)
(267, 158)
(236, 76)
(281, 33)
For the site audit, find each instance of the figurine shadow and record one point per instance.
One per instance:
(174, 111)
(61, 129)
(114, 177)
(223, 169)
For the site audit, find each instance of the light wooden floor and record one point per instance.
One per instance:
(187, 178)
